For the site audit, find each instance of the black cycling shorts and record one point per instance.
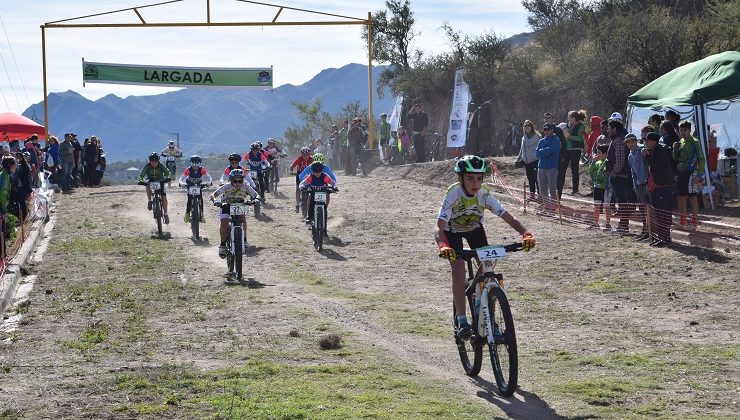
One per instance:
(476, 238)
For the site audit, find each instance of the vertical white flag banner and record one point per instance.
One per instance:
(459, 112)
(394, 119)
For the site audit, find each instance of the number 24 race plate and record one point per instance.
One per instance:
(491, 253)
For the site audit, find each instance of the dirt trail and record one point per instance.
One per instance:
(578, 297)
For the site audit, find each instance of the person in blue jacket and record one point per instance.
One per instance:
(548, 153)
(318, 157)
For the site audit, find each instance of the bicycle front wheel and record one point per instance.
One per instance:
(470, 350)
(158, 214)
(195, 219)
(238, 251)
(503, 350)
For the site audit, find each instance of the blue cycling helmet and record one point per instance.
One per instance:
(236, 173)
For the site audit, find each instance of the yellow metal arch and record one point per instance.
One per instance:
(342, 20)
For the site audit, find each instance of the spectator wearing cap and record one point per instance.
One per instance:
(660, 187)
(67, 156)
(385, 134)
(548, 153)
(618, 170)
(638, 168)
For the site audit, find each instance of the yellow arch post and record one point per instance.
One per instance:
(344, 20)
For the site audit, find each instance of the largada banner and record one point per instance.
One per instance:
(134, 74)
(459, 113)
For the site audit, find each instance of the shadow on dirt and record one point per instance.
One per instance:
(254, 250)
(335, 241)
(204, 242)
(333, 255)
(702, 254)
(166, 236)
(532, 406)
(264, 218)
(249, 283)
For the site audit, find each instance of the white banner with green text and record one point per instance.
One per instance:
(134, 74)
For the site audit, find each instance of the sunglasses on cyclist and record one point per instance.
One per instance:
(237, 181)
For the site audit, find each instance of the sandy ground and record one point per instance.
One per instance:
(580, 296)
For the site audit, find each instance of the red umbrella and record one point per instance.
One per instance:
(18, 127)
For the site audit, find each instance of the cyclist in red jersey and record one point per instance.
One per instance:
(301, 162)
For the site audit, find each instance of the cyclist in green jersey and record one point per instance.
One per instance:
(155, 171)
(460, 217)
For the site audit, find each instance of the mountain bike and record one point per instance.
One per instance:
(438, 149)
(235, 239)
(171, 164)
(195, 193)
(318, 198)
(272, 176)
(156, 189)
(491, 319)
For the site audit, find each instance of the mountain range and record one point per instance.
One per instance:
(206, 120)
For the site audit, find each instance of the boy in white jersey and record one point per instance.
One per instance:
(461, 216)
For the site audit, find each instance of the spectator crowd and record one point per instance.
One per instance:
(631, 177)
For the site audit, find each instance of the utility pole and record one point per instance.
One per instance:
(177, 139)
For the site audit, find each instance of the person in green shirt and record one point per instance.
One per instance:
(6, 181)
(155, 171)
(597, 170)
(690, 162)
(385, 135)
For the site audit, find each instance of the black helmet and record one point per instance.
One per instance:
(195, 160)
(154, 156)
(317, 167)
(235, 156)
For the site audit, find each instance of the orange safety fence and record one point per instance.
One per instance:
(36, 210)
(580, 211)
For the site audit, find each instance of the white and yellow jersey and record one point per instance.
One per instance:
(463, 213)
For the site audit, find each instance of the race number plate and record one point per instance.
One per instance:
(319, 197)
(253, 174)
(489, 253)
(155, 186)
(194, 190)
(237, 209)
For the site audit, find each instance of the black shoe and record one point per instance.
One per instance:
(297, 208)
(640, 238)
(659, 244)
(464, 332)
(166, 219)
(149, 205)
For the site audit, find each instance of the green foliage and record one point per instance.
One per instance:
(318, 123)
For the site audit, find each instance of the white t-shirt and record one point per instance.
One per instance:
(465, 214)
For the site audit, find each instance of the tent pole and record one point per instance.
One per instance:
(703, 138)
(43, 70)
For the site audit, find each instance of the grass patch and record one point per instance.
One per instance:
(362, 389)
(141, 253)
(91, 340)
(604, 286)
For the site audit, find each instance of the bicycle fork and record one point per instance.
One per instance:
(485, 328)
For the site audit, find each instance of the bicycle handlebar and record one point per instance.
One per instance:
(468, 254)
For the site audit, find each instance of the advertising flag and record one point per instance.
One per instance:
(459, 112)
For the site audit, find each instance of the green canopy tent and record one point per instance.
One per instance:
(710, 83)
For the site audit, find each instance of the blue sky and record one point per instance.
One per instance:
(297, 53)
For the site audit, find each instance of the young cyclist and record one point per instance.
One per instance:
(318, 157)
(298, 166)
(234, 160)
(154, 171)
(190, 176)
(236, 190)
(317, 178)
(461, 217)
(257, 162)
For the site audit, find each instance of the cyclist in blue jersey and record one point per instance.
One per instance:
(257, 163)
(318, 157)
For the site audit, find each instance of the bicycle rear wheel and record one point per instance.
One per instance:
(503, 351)
(470, 350)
